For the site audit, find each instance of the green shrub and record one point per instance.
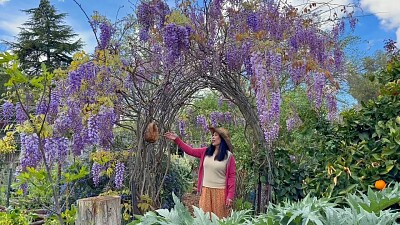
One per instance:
(14, 217)
(178, 180)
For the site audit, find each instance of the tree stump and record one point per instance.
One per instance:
(101, 210)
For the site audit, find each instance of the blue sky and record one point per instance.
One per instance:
(11, 16)
(378, 19)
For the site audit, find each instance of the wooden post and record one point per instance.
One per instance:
(101, 210)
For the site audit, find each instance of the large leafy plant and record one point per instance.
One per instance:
(366, 210)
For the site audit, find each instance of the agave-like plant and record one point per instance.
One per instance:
(338, 216)
(179, 215)
(365, 210)
(375, 201)
(308, 211)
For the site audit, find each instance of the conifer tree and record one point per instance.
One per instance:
(45, 38)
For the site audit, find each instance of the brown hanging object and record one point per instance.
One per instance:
(151, 134)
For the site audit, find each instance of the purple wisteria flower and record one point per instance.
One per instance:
(214, 118)
(20, 115)
(96, 170)
(8, 111)
(106, 32)
(293, 122)
(41, 108)
(228, 117)
(253, 22)
(202, 123)
(93, 130)
(62, 124)
(30, 155)
(176, 39)
(106, 119)
(332, 106)
(266, 70)
(182, 127)
(119, 174)
(319, 83)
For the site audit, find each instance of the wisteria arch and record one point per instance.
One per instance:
(250, 51)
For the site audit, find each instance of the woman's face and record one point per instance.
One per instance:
(216, 139)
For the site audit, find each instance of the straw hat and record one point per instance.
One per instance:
(224, 133)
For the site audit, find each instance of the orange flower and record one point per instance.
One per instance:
(380, 184)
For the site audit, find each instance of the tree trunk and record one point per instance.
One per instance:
(101, 210)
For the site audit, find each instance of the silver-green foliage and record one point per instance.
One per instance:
(307, 211)
(375, 201)
(346, 216)
(365, 210)
(179, 215)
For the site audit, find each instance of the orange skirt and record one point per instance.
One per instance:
(212, 200)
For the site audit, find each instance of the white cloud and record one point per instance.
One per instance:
(9, 25)
(3, 1)
(89, 40)
(323, 6)
(387, 11)
(325, 9)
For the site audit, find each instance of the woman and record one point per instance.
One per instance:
(217, 171)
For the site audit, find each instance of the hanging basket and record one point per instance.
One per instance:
(151, 134)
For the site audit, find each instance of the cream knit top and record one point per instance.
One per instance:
(215, 172)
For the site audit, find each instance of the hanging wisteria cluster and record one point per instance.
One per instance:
(182, 126)
(151, 14)
(273, 45)
(106, 32)
(266, 71)
(96, 170)
(176, 40)
(56, 149)
(30, 155)
(8, 111)
(293, 122)
(119, 174)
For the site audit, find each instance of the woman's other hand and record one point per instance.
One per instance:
(170, 136)
(228, 203)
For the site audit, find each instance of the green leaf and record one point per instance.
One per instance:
(363, 136)
(388, 169)
(388, 151)
(37, 82)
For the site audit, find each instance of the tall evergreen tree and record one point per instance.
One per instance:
(45, 38)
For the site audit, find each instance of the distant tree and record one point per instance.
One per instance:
(360, 77)
(45, 38)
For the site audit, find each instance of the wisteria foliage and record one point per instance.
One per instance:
(273, 45)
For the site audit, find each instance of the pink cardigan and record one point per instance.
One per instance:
(230, 170)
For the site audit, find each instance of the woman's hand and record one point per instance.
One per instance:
(228, 203)
(170, 136)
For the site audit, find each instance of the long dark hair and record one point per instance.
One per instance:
(223, 150)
